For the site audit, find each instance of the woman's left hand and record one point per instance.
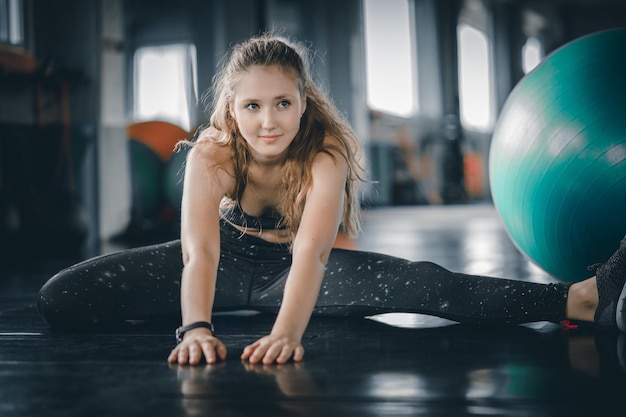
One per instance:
(273, 348)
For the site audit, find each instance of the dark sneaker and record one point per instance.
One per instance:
(611, 281)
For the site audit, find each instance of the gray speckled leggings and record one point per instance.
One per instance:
(144, 284)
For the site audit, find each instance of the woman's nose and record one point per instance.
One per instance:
(268, 119)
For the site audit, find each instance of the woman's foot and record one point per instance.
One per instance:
(611, 281)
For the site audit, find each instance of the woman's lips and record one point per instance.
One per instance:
(269, 138)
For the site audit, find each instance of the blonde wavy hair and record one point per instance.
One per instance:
(321, 119)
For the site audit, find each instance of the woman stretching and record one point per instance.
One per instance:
(267, 187)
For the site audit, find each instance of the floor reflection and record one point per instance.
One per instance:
(420, 372)
(277, 390)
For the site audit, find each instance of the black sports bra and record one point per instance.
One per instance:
(237, 216)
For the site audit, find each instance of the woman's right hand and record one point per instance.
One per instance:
(196, 344)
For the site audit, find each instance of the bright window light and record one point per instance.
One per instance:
(165, 83)
(389, 49)
(11, 27)
(474, 78)
(532, 53)
(15, 17)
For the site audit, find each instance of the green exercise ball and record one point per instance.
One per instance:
(557, 163)
(174, 175)
(147, 170)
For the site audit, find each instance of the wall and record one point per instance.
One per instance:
(114, 167)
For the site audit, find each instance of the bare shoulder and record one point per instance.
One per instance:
(210, 153)
(211, 160)
(332, 142)
(332, 154)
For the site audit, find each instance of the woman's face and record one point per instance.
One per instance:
(267, 106)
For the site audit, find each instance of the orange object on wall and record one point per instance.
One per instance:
(474, 166)
(16, 59)
(160, 136)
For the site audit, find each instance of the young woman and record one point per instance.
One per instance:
(267, 188)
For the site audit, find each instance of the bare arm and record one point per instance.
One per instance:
(311, 248)
(200, 238)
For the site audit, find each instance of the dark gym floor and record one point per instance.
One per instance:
(391, 365)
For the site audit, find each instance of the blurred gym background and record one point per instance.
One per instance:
(94, 94)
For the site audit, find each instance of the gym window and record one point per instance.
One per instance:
(391, 70)
(474, 78)
(532, 54)
(11, 22)
(165, 84)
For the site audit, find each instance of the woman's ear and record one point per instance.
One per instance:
(303, 105)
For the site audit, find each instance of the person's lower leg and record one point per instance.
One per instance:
(582, 300)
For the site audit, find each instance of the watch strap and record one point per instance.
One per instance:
(180, 332)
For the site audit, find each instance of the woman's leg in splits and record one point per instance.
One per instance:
(135, 284)
(144, 283)
(366, 283)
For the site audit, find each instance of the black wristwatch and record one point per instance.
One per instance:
(180, 332)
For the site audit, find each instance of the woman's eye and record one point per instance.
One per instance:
(284, 103)
(252, 106)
